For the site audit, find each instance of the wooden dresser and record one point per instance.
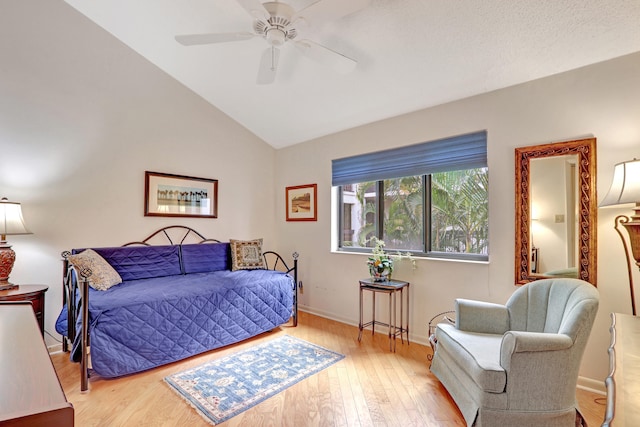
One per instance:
(623, 382)
(30, 394)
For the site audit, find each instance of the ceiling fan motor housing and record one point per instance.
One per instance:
(276, 29)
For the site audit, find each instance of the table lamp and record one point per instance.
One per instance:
(625, 190)
(11, 223)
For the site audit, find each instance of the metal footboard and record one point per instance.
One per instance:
(274, 261)
(69, 297)
(72, 287)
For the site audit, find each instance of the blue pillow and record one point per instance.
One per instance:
(205, 257)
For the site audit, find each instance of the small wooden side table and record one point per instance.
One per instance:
(391, 288)
(31, 293)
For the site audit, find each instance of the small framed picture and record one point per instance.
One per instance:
(302, 202)
(183, 196)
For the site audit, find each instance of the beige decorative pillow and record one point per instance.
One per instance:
(246, 255)
(103, 276)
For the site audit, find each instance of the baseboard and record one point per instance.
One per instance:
(55, 348)
(418, 339)
(594, 386)
(326, 315)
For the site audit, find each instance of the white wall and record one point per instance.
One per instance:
(600, 100)
(81, 118)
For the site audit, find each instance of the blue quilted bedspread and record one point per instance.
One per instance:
(141, 324)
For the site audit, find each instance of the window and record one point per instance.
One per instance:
(428, 198)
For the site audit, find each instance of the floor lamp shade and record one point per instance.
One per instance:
(625, 190)
(11, 223)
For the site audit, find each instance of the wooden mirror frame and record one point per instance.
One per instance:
(585, 149)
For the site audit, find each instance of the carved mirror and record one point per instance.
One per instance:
(556, 211)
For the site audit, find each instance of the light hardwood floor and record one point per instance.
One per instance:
(370, 387)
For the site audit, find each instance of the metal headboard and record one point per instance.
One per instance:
(174, 235)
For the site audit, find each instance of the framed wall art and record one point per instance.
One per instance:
(302, 202)
(180, 196)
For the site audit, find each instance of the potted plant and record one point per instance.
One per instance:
(380, 264)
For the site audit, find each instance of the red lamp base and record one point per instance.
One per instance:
(7, 258)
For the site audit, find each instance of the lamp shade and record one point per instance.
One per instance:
(625, 188)
(11, 221)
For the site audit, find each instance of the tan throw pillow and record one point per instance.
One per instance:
(246, 255)
(103, 276)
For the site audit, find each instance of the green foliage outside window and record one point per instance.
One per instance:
(394, 210)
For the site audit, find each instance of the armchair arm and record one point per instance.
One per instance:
(519, 342)
(536, 363)
(482, 317)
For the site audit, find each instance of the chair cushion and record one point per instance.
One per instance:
(477, 354)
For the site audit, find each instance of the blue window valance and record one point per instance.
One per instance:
(456, 153)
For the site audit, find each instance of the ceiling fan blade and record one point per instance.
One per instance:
(195, 39)
(254, 8)
(324, 55)
(327, 10)
(268, 66)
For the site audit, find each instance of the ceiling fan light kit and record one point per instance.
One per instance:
(277, 28)
(275, 22)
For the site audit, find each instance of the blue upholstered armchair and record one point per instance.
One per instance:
(517, 364)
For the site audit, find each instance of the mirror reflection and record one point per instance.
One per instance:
(556, 211)
(554, 218)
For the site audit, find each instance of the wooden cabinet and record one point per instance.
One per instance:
(30, 394)
(32, 293)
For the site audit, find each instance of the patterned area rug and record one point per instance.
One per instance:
(223, 388)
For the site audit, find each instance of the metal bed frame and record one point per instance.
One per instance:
(76, 283)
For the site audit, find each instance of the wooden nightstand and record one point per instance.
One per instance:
(31, 293)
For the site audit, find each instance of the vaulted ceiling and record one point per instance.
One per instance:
(411, 54)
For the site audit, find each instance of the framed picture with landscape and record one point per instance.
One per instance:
(182, 196)
(302, 202)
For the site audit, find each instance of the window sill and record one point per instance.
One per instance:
(418, 257)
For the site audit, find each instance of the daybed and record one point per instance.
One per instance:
(170, 301)
(517, 364)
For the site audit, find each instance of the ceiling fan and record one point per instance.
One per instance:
(276, 22)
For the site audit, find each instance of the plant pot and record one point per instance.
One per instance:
(380, 276)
